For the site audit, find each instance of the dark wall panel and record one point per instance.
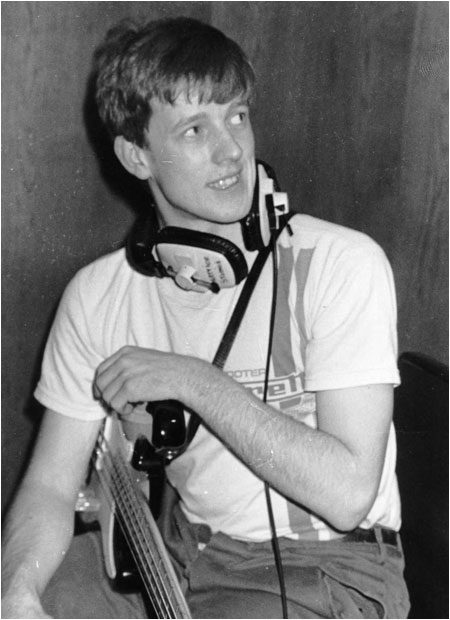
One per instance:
(59, 210)
(420, 220)
(351, 111)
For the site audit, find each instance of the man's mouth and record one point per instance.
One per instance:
(225, 182)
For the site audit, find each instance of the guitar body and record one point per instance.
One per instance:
(119, 560)
(127, 578)
(134, 552)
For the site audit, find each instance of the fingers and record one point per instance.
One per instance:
(135, 374)
(110, 380)
(119, 394)
(112, 359)
(126, 377)
(114, 396)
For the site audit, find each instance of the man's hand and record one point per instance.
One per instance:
(134, 375)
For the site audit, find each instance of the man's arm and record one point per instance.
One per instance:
(39, 526)
(333, 470)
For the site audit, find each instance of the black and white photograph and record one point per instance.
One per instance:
(225, 309)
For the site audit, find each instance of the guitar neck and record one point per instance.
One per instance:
(134, 516)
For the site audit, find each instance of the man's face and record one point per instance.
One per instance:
(201, 159)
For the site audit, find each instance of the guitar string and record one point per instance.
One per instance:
(154, 579)
(130, 489)
(138, 522)
(125, 481)
(117, 489)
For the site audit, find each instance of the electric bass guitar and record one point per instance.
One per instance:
(120, 499)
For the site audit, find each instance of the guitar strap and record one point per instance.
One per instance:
(236, 318)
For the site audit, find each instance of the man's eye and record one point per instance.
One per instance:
(192, 132)
(238, 118)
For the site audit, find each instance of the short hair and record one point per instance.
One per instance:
(158, 61)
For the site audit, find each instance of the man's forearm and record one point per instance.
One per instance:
(36, 537)
(307, 465)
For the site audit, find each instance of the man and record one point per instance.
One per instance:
(175, 96)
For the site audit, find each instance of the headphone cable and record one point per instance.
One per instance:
(275, 544)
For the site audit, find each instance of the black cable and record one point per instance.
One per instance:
(275, 545)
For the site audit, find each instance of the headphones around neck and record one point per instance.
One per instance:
(201, 261)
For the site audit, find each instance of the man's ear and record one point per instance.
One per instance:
(132, 158)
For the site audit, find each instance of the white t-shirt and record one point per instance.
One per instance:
(335, 328)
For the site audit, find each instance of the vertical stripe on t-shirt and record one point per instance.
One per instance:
(301, 273)
(282, 358)
(299, 519)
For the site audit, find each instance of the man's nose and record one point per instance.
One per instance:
(226, 147)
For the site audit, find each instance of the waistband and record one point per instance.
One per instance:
(389, 537)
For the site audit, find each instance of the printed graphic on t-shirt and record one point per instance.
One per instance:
(285, 392)
(280, 389)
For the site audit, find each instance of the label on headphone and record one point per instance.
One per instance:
(199, 269)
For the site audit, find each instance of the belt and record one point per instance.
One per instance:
(389, 537)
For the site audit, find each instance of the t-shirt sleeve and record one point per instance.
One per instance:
(70, 361)
(351, 319)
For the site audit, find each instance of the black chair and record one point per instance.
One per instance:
(421, 420)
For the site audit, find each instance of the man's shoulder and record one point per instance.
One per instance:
(310, 232)
(101, 276)
(105, 265)
(311, 228)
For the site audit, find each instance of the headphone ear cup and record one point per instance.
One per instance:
(209, 258)
(251, 231)
(214, 261)
(140, 244)
(255, 226)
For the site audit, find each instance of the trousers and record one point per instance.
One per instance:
(225, 578)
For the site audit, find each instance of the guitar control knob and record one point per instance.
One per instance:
(143, 458)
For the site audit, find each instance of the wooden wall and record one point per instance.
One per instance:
(351, 112)
(60, 210)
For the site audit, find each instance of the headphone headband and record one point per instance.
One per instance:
(199, 261)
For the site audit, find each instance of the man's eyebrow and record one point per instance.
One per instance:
(203, 115)
(242, 101)
(188, 120)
